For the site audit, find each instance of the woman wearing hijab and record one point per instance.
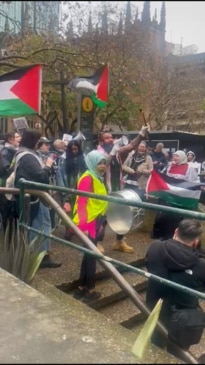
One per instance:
(89, 216)
(181, 169)
(166, 223)
(191, 156)
(191, 159)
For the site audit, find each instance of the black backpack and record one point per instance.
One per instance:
(186, 326)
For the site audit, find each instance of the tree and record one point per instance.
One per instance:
(134, 64)
(128, 16)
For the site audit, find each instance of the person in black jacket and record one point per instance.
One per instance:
(8, 148)
(74, 163)
(158, 158)
(12, 141)
(31, 167)
(177, 260)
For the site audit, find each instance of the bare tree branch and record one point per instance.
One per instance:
(5, 58)
(9, 65)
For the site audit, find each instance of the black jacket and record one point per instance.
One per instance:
(8, 153)
(160, 158)
(30, 169)
(179, 263)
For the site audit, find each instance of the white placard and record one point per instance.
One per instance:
(67, 138)
(20, 123)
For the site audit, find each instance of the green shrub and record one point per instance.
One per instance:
(18, 256)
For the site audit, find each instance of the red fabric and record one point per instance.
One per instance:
(22, 88)
(178, 169)
(156, 183)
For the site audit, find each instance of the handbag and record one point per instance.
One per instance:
(186, 326)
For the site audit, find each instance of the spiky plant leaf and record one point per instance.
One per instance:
(19, 256)
(27, 252)
(19, 249)
(34, 263)
(8, 247)
(25, 256)
(36, 242)
(13, 249)
(146, 332)
(32, 257)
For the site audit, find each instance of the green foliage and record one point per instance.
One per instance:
(134, 70)
(143, 338)
(17, 255)
(203, 104)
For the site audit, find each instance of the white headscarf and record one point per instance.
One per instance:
(182, 157)
(191, 153)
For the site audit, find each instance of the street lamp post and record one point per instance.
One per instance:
(63, 101)
(62, 83)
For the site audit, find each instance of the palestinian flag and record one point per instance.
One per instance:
(20, 91)
(96, 86)
(176, 192)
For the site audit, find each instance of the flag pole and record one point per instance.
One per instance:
(79, 98)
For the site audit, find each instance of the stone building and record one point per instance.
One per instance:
(186, 107)
(183, 105)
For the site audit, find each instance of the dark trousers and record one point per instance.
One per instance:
(8, 211)
(88, 270)
(165, 223)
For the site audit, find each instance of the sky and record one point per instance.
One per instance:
(185, 21)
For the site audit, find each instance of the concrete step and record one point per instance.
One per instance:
(112, 293)
(98, 326)
(48, 327)
(123, 312)
(102, 274)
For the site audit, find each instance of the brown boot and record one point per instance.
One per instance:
(100, 248)
(122, 246)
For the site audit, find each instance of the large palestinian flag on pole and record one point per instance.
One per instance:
(96, 85)
(20, 91)
(176, 192)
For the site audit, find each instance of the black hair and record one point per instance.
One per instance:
(30, 138)
(8, 136)
(69, 153)
(189, 229)
(72, 160)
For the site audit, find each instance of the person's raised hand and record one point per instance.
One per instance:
(144, 130)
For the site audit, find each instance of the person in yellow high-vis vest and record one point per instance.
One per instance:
(89, 216)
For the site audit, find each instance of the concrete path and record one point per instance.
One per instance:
(38, 329)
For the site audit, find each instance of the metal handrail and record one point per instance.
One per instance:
(108, 198)
(105, 261)
(67, 221)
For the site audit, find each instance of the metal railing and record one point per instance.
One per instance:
(109, 264)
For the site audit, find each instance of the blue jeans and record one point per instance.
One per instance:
(42, 222)
(61, 176)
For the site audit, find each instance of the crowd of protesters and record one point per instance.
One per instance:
(111, 166)
(128, 167)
